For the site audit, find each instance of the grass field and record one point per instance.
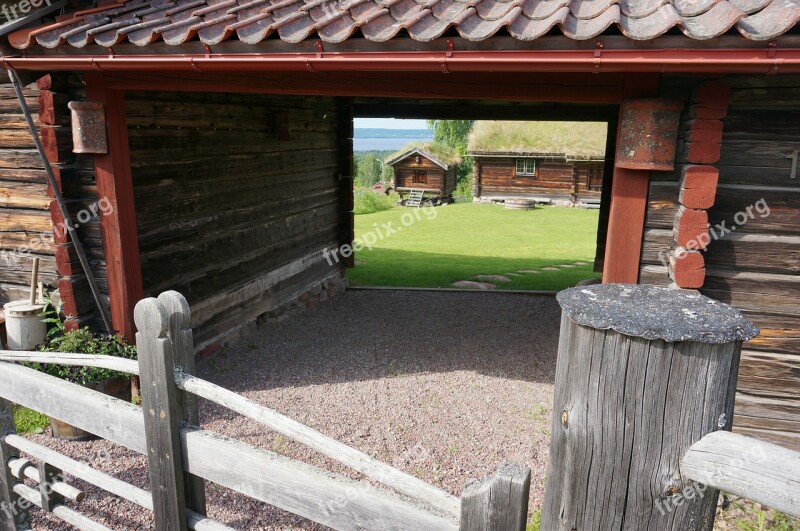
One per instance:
(458, 242)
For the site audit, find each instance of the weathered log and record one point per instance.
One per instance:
(642, 373)
(499, 502)
(746, 467)
(161, 418)
(16, 517)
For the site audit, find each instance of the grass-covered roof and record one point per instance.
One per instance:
(573, 140)
(440, 153)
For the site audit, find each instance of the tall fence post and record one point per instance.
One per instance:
(499, 502)
(642, 373)
(180, 332)
(161, 418)
(13, 515)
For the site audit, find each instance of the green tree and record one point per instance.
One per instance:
(455, 133)
(368, 170)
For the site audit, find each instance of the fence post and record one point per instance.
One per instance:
(642, 373)
(12, 515)
(499, 502)
(161, 419)
(180, 332)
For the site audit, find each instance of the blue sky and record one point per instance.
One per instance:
(389, 123)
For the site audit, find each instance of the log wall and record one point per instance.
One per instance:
(756, 266)
(440, 181)
(557, 179)
(27, 209)
(236, 198)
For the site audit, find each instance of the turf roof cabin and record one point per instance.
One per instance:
(426, 168)
(229, 145)
(548, 162)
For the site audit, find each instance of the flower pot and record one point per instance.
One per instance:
(118, 387)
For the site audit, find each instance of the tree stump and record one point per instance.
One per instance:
(642, 373)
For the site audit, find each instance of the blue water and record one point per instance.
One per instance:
(384, 144)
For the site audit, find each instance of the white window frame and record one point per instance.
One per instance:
(527, 165)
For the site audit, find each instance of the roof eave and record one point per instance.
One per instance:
(723, 55)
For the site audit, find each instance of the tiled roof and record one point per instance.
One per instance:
(142, 22)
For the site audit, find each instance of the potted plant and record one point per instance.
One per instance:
(83, 341)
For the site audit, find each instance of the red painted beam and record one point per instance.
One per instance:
(628, 201)
(118, 227)
(757, 61)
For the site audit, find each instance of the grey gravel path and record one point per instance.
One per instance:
(445, 386)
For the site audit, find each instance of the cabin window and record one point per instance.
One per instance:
(526, 167)
(419, 177)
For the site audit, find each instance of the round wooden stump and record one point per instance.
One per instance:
(642, 374)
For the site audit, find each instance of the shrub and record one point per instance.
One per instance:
(81, 341)
(367, 201)
(463, 191)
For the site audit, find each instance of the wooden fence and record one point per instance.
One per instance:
(181, 455)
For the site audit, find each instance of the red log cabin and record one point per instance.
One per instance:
(427, 169)
(546, 162)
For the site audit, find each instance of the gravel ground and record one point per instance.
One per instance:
(445, 386)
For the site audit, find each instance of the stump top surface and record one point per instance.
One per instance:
(653, 312)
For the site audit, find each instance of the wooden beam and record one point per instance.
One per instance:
(115, 183)
(566, 87)
(628, 201)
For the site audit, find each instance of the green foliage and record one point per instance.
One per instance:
(455, 134)
(368, 168)
(535, 523)
(29, 421)
(465, 240)
(573, 139)
(81, 341)
(751, 516)
(463, 191)
(367, 201)
(443, 152)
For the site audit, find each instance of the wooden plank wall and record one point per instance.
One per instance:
(554, 178)
(404, 170)
(26, 207)
(24, 203)
(236, 198)
(755, 267)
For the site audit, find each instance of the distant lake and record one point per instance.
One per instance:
(384, 144)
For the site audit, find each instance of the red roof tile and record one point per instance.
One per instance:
(142, 22)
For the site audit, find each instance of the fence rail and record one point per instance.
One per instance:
(181, 454)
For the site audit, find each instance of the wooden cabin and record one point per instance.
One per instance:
(547, 162)
(228, 142)
(428, 169)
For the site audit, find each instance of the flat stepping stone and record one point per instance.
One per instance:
(512, 274)
(492, 278)
(580, 263)
(549, 269)
(566, 265)
(470, 284)
(528, 271)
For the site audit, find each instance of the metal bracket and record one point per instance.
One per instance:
(320, 49)
(450, 47)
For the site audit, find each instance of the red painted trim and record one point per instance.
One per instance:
(115, 182)
(760, 61)
(628, 201)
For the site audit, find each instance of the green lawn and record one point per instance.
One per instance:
(464, 240)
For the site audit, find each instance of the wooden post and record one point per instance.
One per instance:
(161, 417)
(497, 502)
(180, 332)
(628, 207)
(48, 475)
(12, 514)
(643, 373)
(118, 225)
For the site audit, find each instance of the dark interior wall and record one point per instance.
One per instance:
(756, 267)
(236, 198)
